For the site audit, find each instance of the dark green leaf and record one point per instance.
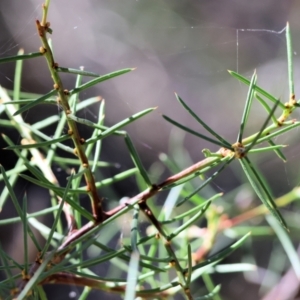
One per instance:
(206, 182)
(34, 103)
(194, 132)
(38, 145)
(290, 55)
(17, 207)
(19, 57)
(98, 80)
(137, 161)
(261, 191)
(190, 221)
(266, 107)
(211, 131)
(77, 72)
(256, 88)
(119, 125)
(263, 127)
(247, 107)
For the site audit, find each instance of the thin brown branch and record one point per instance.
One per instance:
(174, 262)
(156, 188)
(67, 278)
(77, 234)
(141, 197)
(78, 141)
(99, 215)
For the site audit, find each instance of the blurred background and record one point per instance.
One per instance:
(178, 46)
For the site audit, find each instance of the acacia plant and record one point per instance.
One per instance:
(155, 264)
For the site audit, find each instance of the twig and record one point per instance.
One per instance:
(97, 211)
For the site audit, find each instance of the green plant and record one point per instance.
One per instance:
(146, 258)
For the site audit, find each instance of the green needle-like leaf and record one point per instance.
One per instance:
(28, 165)
(113, 254)
(278, 151)
(211, 295)
(47, 138)
(256, 88)
(25, 95)
(6, 123)
(45, 231)
(214, 162)
(85, 293)
(266, 107)
(116, 178)
(206, 182)
(247, 107)
(101, 116)
(25, 232)
(221, 255)
(132, 276)
(85, 103)
(41, 293)
(13, 175)
(72, 161)
(279, 132)
(27, 101)
(84, 121)
(210, 286)
(77, 175)
(134, 228)
(290, 54)
(194, 132)
(190, 221)
(33, 215)
(73, 100)
(263, 127)
(191, 211)
(190, 266)
(119, 125)
(59, 191)
(46, 122)
(57, 217)
(137, 161)
(42, 144)
(18, 77)
(287, 245)
(170, 202)
(82, 190)
(19, 57)
(143, 263)
(260, 189)
(6, 267)
(77, 72)
(264, 149)
(161, 288)
(211, 131)
(36, 102)
(9, 259)
(17, 206)
(98, 80)
(35, 278)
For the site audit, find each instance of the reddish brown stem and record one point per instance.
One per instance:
(66, 278)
